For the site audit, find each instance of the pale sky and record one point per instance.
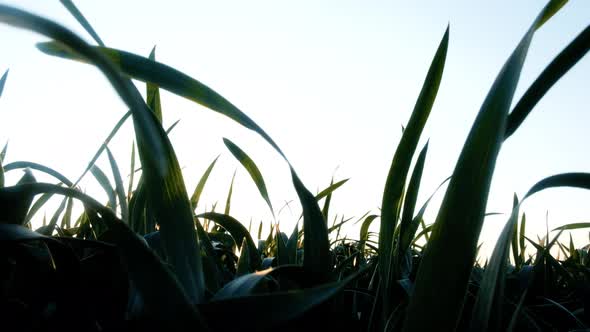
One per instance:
(331, 81)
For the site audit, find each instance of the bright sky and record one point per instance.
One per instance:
(331, 81)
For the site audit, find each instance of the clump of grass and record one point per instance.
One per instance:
(146, 260)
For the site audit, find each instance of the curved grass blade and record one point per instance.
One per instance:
(330, 189)
(159, 163)
(558, 67)
(326, 208)
(52, 225)
(119, 188)
(153, 92)
(408, 225)
(50, 171)
(71, 7)
(572, 226)
(201, 185)
(396, 178)
(36, 206)
(364, 232)
(104, 182)
(237, 231)
(578, 180)
(453, 241)
(14, 209)
(3, 81)
(252, 169)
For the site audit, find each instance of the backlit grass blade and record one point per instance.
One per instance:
(42, 168)
(453, 241)
(572, 226)
(2, 156)
(153, 93)
(252, 169)
(292, 245)
(244, 266)
(317, 259)
(3, 81)
(487, 311)
(119, 188)
(71, 7)
(67, 218)
(201, 185)
(578, 180)
(282, 255)
(330, 189)
(104, 145)
(364, 232)
(159, 164)
(408, 224)
(131, 173)
(558, 67)
(237, 230)
(229, 195)
(14, 208)
(48, 230)
(326, 207)
(104, 182)
(36, 206)
(398, 171)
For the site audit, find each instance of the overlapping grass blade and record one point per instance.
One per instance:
(131, 173)
(292, 245)
(160, 166)
(396, 178)
(244, 266)
(153, 92)
(51, 226)
(47, 170)
(71, 7)
(453, 240)
(558, 67)
(119, 188)
(201, 185)
(14, 208)
(364, 232)
(326, 207)
(104, 182)
(237, 231)
(252, 169)
(330, 189)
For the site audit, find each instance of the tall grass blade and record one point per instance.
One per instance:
(153, 92)
(453, 240)
(229, 195)
(201, 185)
(572, 226)
(159, 164)
(3, 81)
(119, 188)
(131, 173)
(104, 182)
(252, 169)
(244, 266)
(2, 156)
(71, 7)
(330, 189)
(396, 178)
(558, 67)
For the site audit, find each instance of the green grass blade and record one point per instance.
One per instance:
(521, 236)
(572, 226)
(282, 253)
(229, 195)
(201, 185)
(244, 266)
(317, 260)
(3, 81)
(48, 230)
(487, 311)
(578, 180)
(238, 231)
(119, 188)
(326, 208)
(330, 189)
(558, 67)
(153, 92)
(67, 218)
(364, 232)
(252, 169)
(453, 241)
(131, 173)
(292, 245)
(396, 178)
(159, 164)
(104, 182)
(47, 170)
(71, 7)
(36, 206)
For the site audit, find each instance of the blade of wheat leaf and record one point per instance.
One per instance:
(454, 237)
(3, 81)
(71, 7)
(396, 178)
(572, 226)
(42, 168)
(131, 173)
(558, 67)
(119, 188)
(330, 189)
(252, 169)
(229, 195)
(201, 185)
(104, 182)
(159, 163)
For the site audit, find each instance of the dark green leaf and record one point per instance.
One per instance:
(244, 265)
(201, 185)
(153, 92)
(229, 194)
(82, 20)
(3, 81)
(396, 178)
(39, 167)
(104, 182)
(252, 169)
(119, 188)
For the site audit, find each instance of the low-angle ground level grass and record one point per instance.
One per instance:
(145, 259)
